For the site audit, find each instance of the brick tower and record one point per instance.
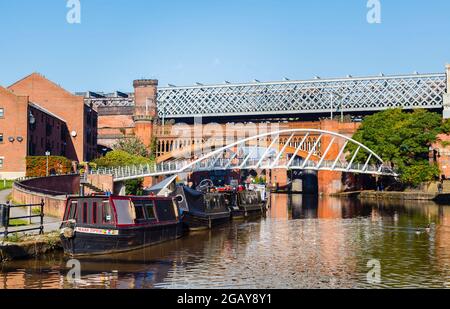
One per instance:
(145, 111)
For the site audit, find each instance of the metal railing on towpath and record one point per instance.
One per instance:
(5, 219)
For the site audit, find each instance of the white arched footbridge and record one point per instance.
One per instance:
(285, 149)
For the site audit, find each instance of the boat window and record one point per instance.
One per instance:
(150, 209)
(125, 213)
(165, 210)
(139, 209)
(85, 212)
(108, 217)
(94, 213)
(72, 211)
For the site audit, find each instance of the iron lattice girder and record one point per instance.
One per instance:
(295, 97)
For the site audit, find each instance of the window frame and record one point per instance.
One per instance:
(85, 213)
(94, 219)
(2, 112)
(106, 205)
(151, 204)
(139, 209)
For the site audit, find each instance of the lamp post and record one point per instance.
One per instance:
(47, 154)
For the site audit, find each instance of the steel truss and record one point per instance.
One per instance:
(254, 153)
(295, 97)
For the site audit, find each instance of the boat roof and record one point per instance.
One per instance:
(119, 197)
(157, 189)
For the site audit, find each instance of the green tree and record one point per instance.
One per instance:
(121, 158)
(403, 140)
(132, 145)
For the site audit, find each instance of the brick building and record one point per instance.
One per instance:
(123, 115)
(37, 116)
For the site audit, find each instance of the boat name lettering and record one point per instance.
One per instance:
(96, 231)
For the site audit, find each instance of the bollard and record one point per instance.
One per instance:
(41, 231)
(4, 218)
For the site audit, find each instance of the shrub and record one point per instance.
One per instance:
(121, 158)
(37, 166)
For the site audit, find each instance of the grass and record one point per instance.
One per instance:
(17, 222)
(52, 239)
(15, 238)
(6, 184)
(36, 211)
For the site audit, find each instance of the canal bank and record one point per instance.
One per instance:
(303, 243)
(29, 247)
(441, 198)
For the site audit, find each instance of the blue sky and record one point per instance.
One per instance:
(182, 42)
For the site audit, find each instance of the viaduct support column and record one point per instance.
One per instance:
(330, 182)
(447, 95)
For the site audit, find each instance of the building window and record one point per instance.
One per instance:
(1, 162)
(1, 138)
(2, 112)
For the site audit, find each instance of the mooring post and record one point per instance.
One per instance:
(30, 213)
(41, 231)
(8, 204)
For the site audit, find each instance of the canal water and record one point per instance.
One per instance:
(304, 242)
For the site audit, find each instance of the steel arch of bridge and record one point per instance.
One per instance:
(233, 157)
(299, 97)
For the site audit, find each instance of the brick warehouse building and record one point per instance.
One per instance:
(36, 116)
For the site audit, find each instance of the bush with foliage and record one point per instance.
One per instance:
(123, 158)
(260, 180)
(403, 140)
(132, 145)
(37, 166)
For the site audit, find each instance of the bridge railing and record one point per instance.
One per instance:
(174, 167)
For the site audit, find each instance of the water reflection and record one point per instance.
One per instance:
(305, 242)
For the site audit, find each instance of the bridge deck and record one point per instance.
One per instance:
(363, 94)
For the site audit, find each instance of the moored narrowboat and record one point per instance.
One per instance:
(244, 203)
(201, 210)
(98, 225)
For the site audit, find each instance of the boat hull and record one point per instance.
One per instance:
(127, 239)
(202, 221)
(248, 211)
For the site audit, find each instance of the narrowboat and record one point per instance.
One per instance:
(97, 225)
(201, 210)
(244, 203)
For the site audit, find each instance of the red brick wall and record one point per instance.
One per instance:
(39, 142)
(102, 182)
(67, 184)
(13, 124)
(443, 158)
(60, 102)
(145, 94)
(54, 206)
